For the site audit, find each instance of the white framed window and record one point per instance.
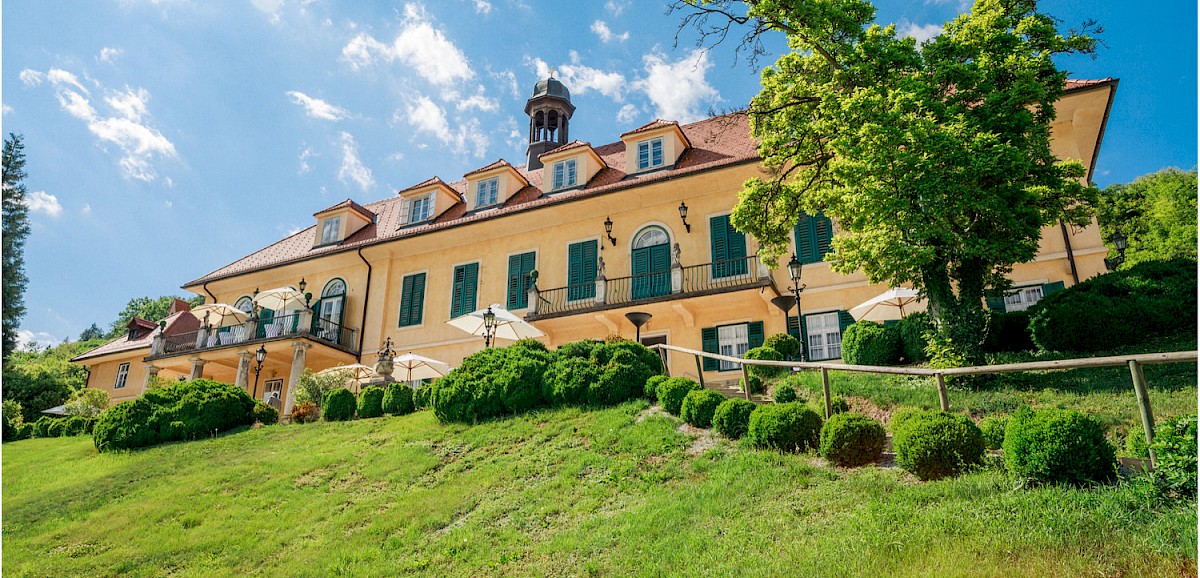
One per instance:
(564, 174)
(650, 153)
(122, 375)
(487, 192)
(824, 335)
(420, 209)
(1022, 298)
(329, 230)
(274, 386)
(734, 341)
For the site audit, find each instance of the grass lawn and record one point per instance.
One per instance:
(554, 493)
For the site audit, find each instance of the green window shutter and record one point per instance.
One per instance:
(471, 287)
(709, 343)
(1054, 287)
(754, 331)
(466, 283)
(813, 236)
(412, 300)
(845, 319)
(405, 301)
(718, 227)
(997, 303)
(581, 270)
(805, 245)
(519, 267)
(823, 234)
(728, 248)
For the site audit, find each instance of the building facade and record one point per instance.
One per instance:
(590, 234)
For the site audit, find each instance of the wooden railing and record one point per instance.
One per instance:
(1134, 362)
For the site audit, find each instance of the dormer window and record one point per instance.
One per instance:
(330, 229)
(650, 153)
(420, 209)
(564, 174)
(487, 192)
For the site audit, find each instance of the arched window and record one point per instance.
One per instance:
(651, 263)
(334, 288)
(651, 236)
(245, 304)
(329, 310)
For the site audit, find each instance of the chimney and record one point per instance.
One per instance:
(179, 305)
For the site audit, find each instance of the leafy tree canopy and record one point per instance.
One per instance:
(150, 309)
(15, 222)
(933, 160)
(41, 379)
(1156, 213)
(93, 332)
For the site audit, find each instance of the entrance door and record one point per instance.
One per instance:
(662, 353)
(651, 259)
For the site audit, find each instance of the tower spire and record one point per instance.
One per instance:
(549, 111)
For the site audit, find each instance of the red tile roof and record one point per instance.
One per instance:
(495, 165)
(176, 323)
(353, 206)
(656, 123)
(1073, 84)
(571, 145)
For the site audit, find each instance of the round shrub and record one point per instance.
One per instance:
(1175, 451)
(421, 395)
(903, 414)
(784, 426)
(493, 382)
(305, 412)
(933, 444)
(1058, 446)
(852, 440)
(1008, 332)
(672, 392)
(870, 343)
(41, 426)
(765, 353)
(1156, 297)
(57, 428)
(75, 426)
(912, 329)
(623, 378)
(756, 384)
(398, 398)
(647, 358)
(784, 394)
(651, 388)
(370, 402)
(699, 406)
(568, 380)
(520, 376)
(1135, 443)
(786, 344)
(993, 427)
(265, 414)
(179, 411)
(339, 405)
(732, 417)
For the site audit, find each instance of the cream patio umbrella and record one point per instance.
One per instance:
(278, 299)
(355, 372)
(410, 366)
(218, 313)
(894, 303)
(495, 322)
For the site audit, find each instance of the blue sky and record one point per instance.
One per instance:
(166, 138)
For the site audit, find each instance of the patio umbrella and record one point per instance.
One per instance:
(279, 299)
(218, 313)
(894, 303)
(508, 326)
(355, 372)
(411, 366)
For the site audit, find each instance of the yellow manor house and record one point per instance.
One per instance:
(571, 242)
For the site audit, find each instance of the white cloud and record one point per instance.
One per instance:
(479, 101)
(28, 339)
(109, 54)
(269, 7)
(419, 45)
(6, 109)
(628, 114)
(352, 168)
(581, 78)
(86, 209)
(483, 7)
(43, 202)
(508, 79)
(31, 77)
(317, 108)
(600, 28)
(130, 104)
(678, 89)
(427, 117)
(304, 156)
(168, 203)
(57, 76)
(923, 33)
(616, 7)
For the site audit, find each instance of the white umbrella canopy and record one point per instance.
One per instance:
(215, 314)
(411, 366)
(892, 304)
(278, 299)
(508, 326)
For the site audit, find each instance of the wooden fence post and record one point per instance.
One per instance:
(1143, 400)
(700, 370)
(943, 399)
(746, 380)
(825, 387)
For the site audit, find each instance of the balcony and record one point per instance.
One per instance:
(675, 283)
(289, 325)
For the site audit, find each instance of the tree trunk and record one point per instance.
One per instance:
(958, 317)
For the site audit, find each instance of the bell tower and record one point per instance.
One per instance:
(549, 111)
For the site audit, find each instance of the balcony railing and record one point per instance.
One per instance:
(281, 326)
(716, 277)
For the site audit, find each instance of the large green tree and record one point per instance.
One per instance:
(40, 379)
(15, 222)
(148, 308)
(933, 160)
(1156, 213)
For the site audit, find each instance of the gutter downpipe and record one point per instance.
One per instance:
(1070, 253)
(362, 331)
(205, 288)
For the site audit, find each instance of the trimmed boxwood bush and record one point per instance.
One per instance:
(870, 343)
(651, 388)
(784, 343)
(421, 395)
(1155, 297)
(903, 414)
(784, 426)
(57, 428)
(756, 384)
(699, 405)
(1008, 332)
(339, 405)
(672, 392)
(370, 402)
(851, 440)
(568, 380)
(1058, 446)
(912, 329)
(934, 444)
(732, 417)
(1175, 450)
(397, 399)
(993, 427)
(265, 414)
(784, 394)
(765, 353)
(305, 412)
(179, 411)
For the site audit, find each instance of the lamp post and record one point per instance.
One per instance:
(795, 269)
(1118, 241)
(489, 326)
(259, 356)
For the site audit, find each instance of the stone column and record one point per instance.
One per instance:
(299, 352)
(151, 372)
(245, 359)
(197, 368)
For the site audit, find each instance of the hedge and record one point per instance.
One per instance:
(339, 405)
(178, 411)
(934, 444)
(1058, 446)
(870, 343)
(699, 406)
(732, 418)
(913, 328)
(1008, 332)
(397, 399)
(370, 402)
(851, 440)
(784, 426)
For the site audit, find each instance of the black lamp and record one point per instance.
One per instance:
(638, 319)
(795, 269)
(683, 215)
(489, 326)
(260, 356)
(608, 231)
(302, 284)
(1119, 243)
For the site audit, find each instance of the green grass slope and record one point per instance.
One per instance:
(556, 493)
